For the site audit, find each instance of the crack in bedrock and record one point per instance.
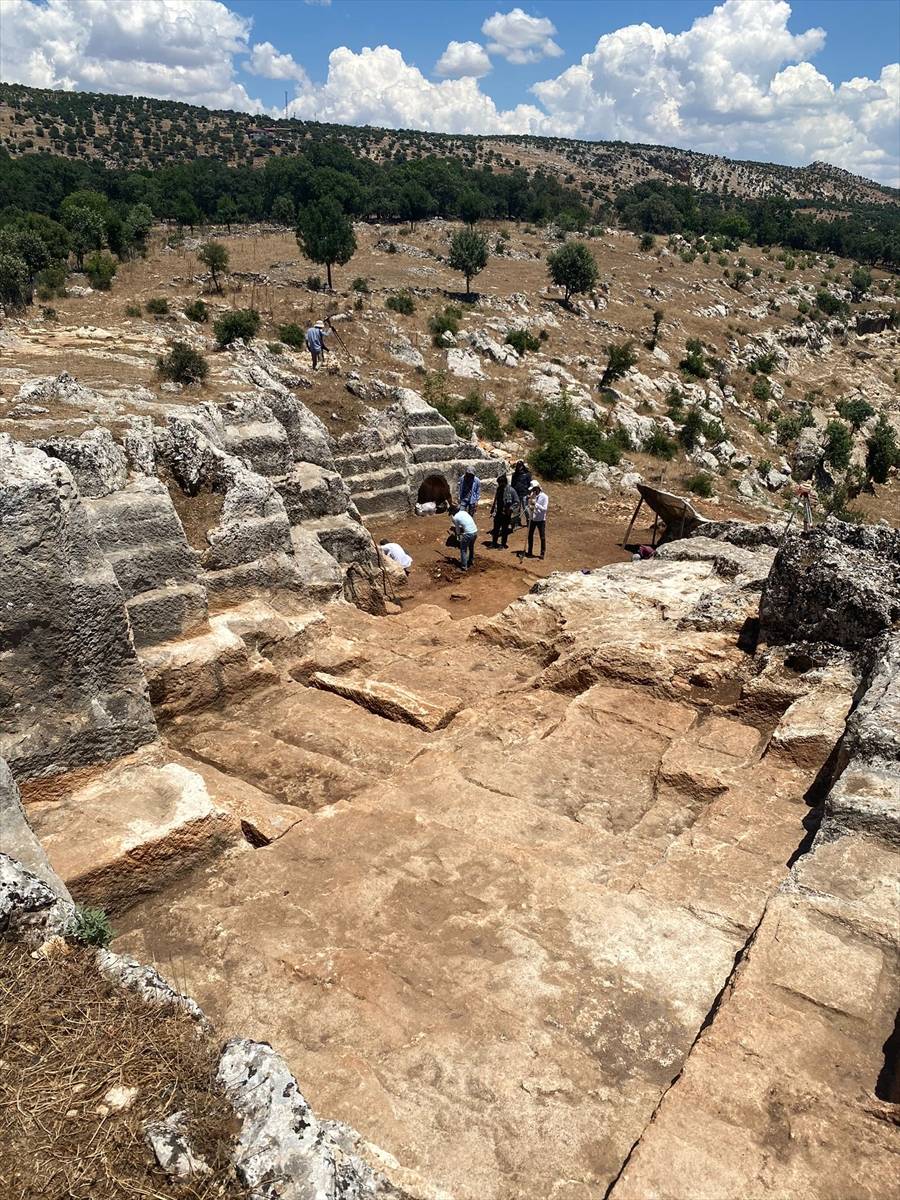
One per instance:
(707, 1021)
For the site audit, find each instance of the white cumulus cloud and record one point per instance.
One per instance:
(736, 83)
(520, 38)
(266, 61)
(378, 87)
(165, 48)
(462, 59)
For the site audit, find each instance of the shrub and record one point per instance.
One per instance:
(660, 446)
(275, 348)
(292, 335)
(360, 285)
(100, 268)
(182, 364)
(401, 302)
(555, 457)
(446, 321)
(49, 314)
(240, 323)
(838, 445)
(694, 362)
(157, 306)
(691, 430)
(829, 304)
(314, 283)
(648, 241)
(620, 359)
(522, 341)
(762, 389)
(675, 402)
(764, 466)
(787, 429)
(700, 484)
(489, 423)
(196, 311)
(856, 410)
(51, 282)
(91, 926)
(526, 416)
(132, 310)
(882, 452)
(763, 364)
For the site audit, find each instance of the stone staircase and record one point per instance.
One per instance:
(383, 467)
(142, 539)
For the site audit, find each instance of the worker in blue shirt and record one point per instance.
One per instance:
(469, 492)
(315, 342)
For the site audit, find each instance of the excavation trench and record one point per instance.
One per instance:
(497, 994)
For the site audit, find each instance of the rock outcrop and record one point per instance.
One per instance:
(71, 689)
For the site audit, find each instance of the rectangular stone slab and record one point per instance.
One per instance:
(388, 701)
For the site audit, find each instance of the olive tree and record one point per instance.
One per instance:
(572, 267)
(468, 254)
(215, 256)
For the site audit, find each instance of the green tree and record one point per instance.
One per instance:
(226, 212)
(325, 235)
(15, 290)
(471, 206)
(215, 256)
(138, 224)
(100, 269)
(838, 445)
(283, 212)
(468, 254)
(621, 359)
(87, 230)
(573, 268)
(882, 452)
(856, 410)
(182, 364)
(860, 282)
(24, 243)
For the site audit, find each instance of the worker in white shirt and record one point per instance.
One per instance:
(466, 531)
(395, 551)
(538, 503)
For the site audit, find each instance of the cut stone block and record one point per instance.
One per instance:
(389, 701)
(131, 829)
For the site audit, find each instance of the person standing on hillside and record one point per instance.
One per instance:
(469, 492)
(538, 503)
(315, 343)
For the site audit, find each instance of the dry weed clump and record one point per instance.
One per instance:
(67, 1036)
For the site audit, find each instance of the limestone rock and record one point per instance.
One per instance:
(97, 464)
(169, 1142)
(71, 689)
(403, 351)
(29, 907)
(636, 428)
(145, 981)
(282, 1152)
(836, 583)
(18, 839)
(464, 363)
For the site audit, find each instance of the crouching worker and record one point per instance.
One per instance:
(466, 531)
(396, 552)
(315, 343)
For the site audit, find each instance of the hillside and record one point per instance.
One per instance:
(134, 131)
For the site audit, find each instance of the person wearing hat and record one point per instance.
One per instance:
(315, 342)
(538, 503)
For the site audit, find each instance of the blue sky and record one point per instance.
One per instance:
(759, 79)
(862, 35)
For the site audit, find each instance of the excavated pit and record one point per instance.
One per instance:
(504, 870)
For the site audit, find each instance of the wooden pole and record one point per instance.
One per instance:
(631, 522)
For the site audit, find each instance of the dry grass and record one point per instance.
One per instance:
(66, 1037)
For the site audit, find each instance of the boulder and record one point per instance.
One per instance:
(835, 583)
(464, 363)
(282, 1150)
(71, 689)
(637, 429)
(29, 908)
(808, 452)
(97, 464)
(403, 351)
(18, 839)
